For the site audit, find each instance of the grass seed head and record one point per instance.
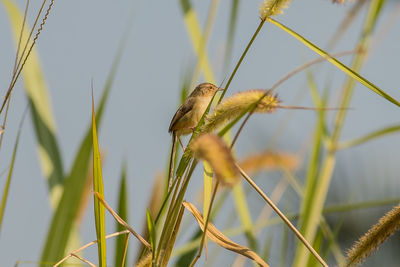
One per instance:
(375, 236)
(212, 149)
(234, 105)
(271, 8)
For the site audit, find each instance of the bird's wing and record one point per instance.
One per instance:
(186, 107)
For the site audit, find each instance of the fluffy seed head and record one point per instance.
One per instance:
(212, 149)
(233, 106)
(271, 8)
(375, 236)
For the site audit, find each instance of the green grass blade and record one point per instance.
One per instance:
(10, 172)
(123, 213)
(152, 234)
(315, 155)
(99, 210)
(41, 110)
(64, 216)
(371, 136)
(336, 63)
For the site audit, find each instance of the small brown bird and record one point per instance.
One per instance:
(188, 116)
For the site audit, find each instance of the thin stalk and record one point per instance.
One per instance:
(88, 245)
(19, 65)
(283, 217)
(205, 225)
(241, 59)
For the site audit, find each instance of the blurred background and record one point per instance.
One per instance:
(79, 43)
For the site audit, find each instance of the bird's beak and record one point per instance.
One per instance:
(220, 89)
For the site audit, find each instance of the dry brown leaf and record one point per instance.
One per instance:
(219, 238)
(122, 222)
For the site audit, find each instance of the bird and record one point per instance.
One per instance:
(188, 116)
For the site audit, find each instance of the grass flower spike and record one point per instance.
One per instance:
(212, 149)
(375, 236)
(273, 8)
(232, 106)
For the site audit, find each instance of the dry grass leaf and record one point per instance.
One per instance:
(212, 149)
(122, 222)
(269, 161)
(219, 238)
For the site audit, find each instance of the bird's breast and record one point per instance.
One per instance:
(200, 106)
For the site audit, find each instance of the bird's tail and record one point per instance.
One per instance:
(172, 161)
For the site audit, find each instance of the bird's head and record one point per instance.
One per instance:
(205, 89)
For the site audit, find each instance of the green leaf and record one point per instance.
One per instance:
(99, 210)
(123, 213)
(336, 63)
(152, 234)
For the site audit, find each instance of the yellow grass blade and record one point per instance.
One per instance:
(195, 33)
(99, 211)
(121, 241)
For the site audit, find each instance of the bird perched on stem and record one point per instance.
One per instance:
(188, 116)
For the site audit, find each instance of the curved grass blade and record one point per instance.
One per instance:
(336, 63)
(10, 172)
(120, 241)
(232, 232)
(41, 110)
(99, 211)
(219, 238)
